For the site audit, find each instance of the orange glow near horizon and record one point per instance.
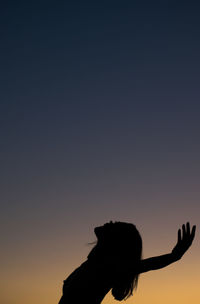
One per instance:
(171, 285)
(40, 281)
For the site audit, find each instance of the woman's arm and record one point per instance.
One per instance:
(157, 262)
(184, 242)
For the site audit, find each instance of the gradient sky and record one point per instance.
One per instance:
(99, 120)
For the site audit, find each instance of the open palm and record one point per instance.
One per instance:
(185, 239)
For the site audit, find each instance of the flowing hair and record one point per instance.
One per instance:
(121, 242)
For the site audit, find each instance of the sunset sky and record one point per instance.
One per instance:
(99, 121)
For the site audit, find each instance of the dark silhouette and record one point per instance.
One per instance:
(115, 263)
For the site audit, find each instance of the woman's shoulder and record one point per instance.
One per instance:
(115, 267)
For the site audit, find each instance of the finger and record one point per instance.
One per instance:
(183, 229)
(179, 235)
(188, 228)
(193, 232)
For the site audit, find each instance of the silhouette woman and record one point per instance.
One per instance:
(115, 263)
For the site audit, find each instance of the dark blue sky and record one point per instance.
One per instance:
(85, 76)
(93, 92)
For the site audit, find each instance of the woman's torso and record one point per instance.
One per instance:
(89, 283)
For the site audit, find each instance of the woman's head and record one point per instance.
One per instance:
(122, 243)
(119, 239)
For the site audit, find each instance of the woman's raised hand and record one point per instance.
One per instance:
(185, 239)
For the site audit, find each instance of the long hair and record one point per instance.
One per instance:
(121, 242)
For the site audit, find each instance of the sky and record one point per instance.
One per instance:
(99, 121)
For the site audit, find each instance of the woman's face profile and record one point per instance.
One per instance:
(101, 231)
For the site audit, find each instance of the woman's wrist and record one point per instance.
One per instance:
(175, 256)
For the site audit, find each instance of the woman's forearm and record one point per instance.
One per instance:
(157, 262)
